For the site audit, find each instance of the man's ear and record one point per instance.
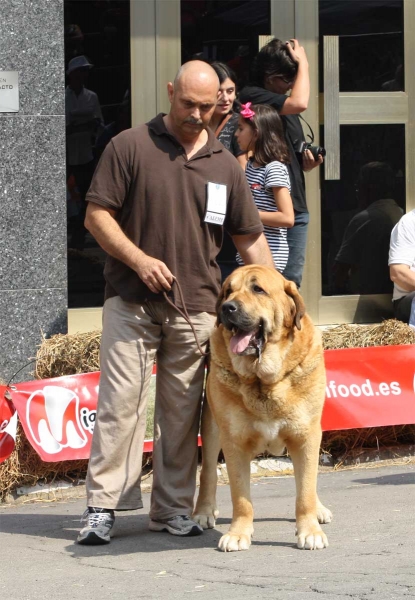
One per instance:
(170, 91)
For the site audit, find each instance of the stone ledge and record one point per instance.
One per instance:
(260, 468)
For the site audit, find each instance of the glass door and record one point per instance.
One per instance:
(363, 191)
(361, 109)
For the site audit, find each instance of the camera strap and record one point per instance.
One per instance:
(311, 131)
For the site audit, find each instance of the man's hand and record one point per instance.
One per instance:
(297, 52)
(154, 273)
(101, 222)
(308, 161)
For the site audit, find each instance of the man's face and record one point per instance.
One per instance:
(280, 84)
(79, 76)
(192, 106)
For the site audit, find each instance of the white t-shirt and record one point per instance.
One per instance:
(402, 248)
(261, 181)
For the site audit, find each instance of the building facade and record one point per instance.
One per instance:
(362, 109)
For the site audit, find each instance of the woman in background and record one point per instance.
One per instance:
(224, 124)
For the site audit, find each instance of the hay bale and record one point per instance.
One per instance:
(389, 333)
(68, 354)
(25, 467)
(79, 353)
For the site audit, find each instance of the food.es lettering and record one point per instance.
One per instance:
(334, 390)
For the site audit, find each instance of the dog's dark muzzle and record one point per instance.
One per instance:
(248, 335)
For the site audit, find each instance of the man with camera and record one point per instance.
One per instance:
(278, 68)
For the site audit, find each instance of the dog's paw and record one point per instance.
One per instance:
(312, 540)
(231, 542)
(324, 515)
(206, 519)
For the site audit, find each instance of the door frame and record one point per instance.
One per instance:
(155, 59)
(299, 19)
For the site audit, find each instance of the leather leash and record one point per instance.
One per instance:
(185, 315)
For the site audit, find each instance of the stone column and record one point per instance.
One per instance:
(33, 272)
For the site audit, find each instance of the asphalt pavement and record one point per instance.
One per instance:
(371, 552)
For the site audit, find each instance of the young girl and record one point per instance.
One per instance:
(260, 132)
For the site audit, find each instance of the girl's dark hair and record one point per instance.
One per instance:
(224, 72)
(273, 59)
(270, 143)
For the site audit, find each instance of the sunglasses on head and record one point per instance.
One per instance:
(284, 79)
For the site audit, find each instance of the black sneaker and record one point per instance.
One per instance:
(179, 525)
(99, 522)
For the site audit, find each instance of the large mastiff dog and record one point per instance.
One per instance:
(265, 391)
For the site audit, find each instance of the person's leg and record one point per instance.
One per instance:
(128, 346)
(402, 307)
(129, 342)
(180, 378)
(297, 244)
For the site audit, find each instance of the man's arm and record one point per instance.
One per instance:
(308, 162)
(403, 277)
(100, 221)
(254, 249)
(297, 101)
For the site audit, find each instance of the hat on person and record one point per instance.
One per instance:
(79, 62)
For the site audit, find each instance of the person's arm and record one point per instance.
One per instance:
(308, 163)
(253, 249)
(284, 217)
(297, 101)
(101, 223)
(403, 276)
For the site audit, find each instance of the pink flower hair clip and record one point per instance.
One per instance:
(247, 112)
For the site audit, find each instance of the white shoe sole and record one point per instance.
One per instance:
(92, 539)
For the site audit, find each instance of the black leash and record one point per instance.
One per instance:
(24, 366)
(185, 315)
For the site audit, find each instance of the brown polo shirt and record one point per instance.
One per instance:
(160, 197)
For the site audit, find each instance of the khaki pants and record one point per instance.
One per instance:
(133, 335)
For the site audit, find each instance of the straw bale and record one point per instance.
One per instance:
(68, 354)
(79, 353)
(388, 333)
(24, 467)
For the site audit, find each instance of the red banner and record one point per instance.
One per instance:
(8, 426)
(366, 387)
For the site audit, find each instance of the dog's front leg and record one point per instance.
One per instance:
(238, 463)
(206, 511)
(304, 454)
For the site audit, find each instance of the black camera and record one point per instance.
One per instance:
(315, 150)
(300, 146)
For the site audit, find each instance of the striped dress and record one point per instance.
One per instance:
(261, 181)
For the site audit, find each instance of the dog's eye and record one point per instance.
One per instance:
(258, 290)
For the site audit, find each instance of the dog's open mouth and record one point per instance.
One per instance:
(247, 342)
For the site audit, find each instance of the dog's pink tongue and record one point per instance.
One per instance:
(240, 341)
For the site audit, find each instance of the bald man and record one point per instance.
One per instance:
(158, 204)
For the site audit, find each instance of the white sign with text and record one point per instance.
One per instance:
(9, 91)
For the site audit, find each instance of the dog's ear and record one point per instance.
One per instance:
(298, 310)
(218, 305)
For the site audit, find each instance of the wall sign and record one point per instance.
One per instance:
(9, 91)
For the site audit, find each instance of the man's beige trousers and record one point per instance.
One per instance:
(133, 335)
